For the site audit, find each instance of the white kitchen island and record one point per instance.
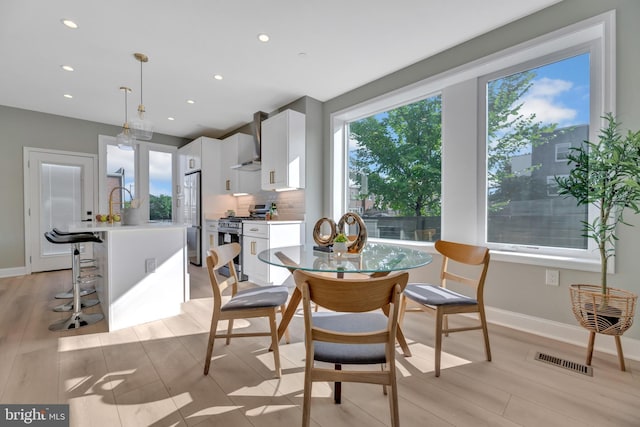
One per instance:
(143, 268)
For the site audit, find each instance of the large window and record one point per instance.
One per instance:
(477, 162)
(394, 165)
(533, 117)
(146, 174)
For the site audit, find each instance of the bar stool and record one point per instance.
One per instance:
(77, 318)
(86, 264)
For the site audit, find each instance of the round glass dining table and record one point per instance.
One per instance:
(376, 259)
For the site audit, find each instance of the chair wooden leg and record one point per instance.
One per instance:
(229, 331)
(274, 342)
(306, 401)
(445, 325)
(393, 401)
(592, 339)
(438, 349)
(287, 335)
(620, 355)
(212, 337)
(384, 386)
(337, 387)
(485, 333)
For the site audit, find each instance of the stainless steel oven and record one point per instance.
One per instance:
(230, 231)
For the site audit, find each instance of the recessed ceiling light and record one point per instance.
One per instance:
(67, 67)
(218, 77)
(263, 38)
(171, 118)
(69, 23)
(68, 95)
(190, 101)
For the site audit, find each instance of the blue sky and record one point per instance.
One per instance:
(159, 169)
(560, 92)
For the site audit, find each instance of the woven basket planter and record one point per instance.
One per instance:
(610, 314)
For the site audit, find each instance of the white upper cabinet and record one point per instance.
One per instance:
(283, 151)
(191, 155)
(236, 149)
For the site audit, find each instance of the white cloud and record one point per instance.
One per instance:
(542, 100)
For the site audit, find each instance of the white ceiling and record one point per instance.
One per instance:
(320, 48)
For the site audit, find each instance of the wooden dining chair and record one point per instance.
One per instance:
(351, 334)
(244, 304)
(441, 301)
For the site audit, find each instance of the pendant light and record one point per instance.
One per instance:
(141, 125)
(125, 139)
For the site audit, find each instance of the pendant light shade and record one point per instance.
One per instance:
(125, 139)
(141, 125)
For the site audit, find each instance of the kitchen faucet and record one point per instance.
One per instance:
(111, 201)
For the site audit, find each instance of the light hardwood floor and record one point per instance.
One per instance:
(152, 374)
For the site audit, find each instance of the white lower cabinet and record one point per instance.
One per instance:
(258, 236)
(211, 237)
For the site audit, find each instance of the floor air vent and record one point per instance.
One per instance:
(566, 364)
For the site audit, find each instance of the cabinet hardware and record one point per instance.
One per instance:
(253, 248)
(228, 185)
(192, 163)
(272, 177)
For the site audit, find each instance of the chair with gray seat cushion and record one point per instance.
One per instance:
(442, 302)
(354, 332)
(244, 304)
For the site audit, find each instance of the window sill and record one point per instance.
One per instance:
(549, 261)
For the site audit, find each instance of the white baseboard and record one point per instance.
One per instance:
(12, 272)
(561, 331)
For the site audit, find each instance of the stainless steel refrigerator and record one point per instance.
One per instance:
(192, 203)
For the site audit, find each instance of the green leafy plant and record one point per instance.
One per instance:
(606, 175)
(340, 238)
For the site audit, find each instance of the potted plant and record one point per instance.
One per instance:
(605, 175)
(340, 244)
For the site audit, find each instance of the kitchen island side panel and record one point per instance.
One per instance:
(145, 278)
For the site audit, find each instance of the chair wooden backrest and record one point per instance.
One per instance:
(464, 254)
(223, 255)
(351, 296)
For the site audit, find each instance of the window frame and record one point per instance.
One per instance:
(464, 146)
(141, 175)
(596, 111)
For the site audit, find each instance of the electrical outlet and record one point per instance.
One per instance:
(552, 277)
(150, 265)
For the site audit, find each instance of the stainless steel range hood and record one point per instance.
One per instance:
(255, 163)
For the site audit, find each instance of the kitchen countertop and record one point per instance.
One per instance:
(272, 221)
(105, 226)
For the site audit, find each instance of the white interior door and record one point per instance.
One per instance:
(60, 191)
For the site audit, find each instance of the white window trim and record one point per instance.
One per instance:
(466, 224)
(141, 178)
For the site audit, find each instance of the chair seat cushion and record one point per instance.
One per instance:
(424, 293)
(270, 296)
(355, 354)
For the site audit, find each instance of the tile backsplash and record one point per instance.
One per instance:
(290, 203)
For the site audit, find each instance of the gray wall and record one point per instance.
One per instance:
(23, 128)
(517, 287)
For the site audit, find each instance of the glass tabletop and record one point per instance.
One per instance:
(374, 258)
